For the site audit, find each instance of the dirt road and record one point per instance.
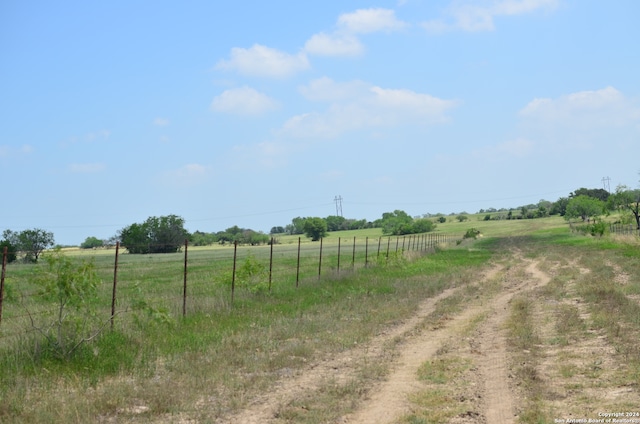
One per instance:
(452, 362)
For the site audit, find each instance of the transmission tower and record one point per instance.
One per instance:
(338, 200)
(605, 182)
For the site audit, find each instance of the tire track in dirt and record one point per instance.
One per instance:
(341, 367)
(389, 401)
(499, 402)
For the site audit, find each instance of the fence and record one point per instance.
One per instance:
(180, 281)
(624, 229)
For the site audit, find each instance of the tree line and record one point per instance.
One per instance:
(166, 234)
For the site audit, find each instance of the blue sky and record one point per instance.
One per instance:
(253, 113)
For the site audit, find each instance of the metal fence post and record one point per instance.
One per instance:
(115, 283)
(366, 252)
(184, 286)
(233, 277)
(388, 244)
(339, 238)
(353, 257)
(4, 270)
(298, 266)
(320, 259)
(270, 262)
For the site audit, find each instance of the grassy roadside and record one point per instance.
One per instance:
(213, 362)
(210, 363)
(574, 349)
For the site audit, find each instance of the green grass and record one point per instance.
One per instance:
(223, 353)
(234, 350)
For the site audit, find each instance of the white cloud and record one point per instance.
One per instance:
(86, 168)
(186, 175)
(90, 137)
(473, 17)
(512, 149)
(582, 121)
(161, 122)
(325, 89)
(356, 106)
(364, 21)
(323, 44)
(343, 41)
(98, 135)
(584, 109)
(263, 61)
(9, 151)
(332, 175)
(267, 154)
(243, 101)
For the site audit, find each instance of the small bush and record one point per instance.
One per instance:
(72, 288)
(471, 233)
(252, 275)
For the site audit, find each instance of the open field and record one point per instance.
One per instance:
(529, 323)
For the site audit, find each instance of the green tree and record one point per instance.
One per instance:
(91, 243)
(584, 207)
(296, 226)
(277, 230)
(315, 228)
(597, 193)
(397, 222)
(199, 238)
(462, 218)
(559, 207)
(165, 234)
(335, 223)
(12, 251)
(30, 242)
(627, 200)
(422, 226)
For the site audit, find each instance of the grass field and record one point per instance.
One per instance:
(156, 366)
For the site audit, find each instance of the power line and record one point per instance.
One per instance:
(605, 182)
(338, 200)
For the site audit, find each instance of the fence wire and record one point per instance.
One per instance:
(189, 279)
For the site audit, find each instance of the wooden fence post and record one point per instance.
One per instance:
(115, 283)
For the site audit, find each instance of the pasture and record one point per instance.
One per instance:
(212, 364)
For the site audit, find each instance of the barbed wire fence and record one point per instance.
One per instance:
(624, 229)
(196, 279)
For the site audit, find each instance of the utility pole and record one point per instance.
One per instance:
(338, 200)
(605, 182)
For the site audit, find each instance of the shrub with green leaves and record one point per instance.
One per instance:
(471, 233)
(252, 275)
(67, 293)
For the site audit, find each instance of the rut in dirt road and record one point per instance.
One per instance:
(265, 408)
(389, 403)
(413, 345)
